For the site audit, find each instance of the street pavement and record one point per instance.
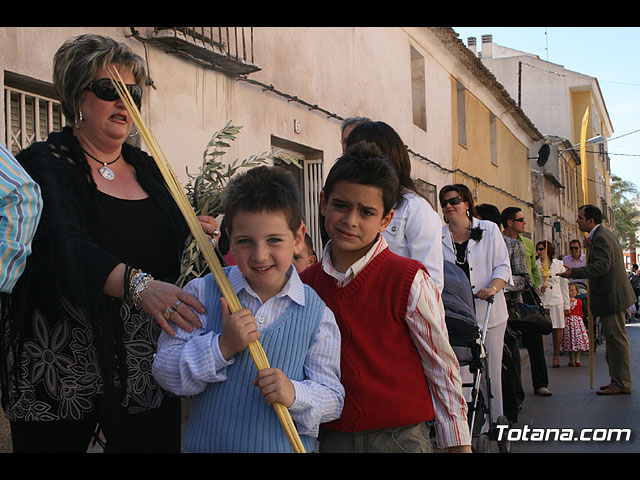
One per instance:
(575, 409)
(574, 406)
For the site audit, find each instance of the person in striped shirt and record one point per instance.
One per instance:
(20, 210)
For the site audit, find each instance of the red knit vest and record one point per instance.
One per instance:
(380, 367)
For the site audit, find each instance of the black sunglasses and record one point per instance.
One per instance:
(453, 201)
(539, 249)
(104, 89)
(521, 219)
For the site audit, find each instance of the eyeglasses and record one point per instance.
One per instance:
(574, 248)
(452, 201)
(521, 219)
(539, 249)
(104, 89)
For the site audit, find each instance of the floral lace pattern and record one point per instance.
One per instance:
(58, 374)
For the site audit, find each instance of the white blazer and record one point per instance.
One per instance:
(488, 259)
(414, 232)
(557, 292)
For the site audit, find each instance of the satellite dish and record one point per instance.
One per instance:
(543, 155)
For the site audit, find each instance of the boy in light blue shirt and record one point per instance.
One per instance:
(231, 406)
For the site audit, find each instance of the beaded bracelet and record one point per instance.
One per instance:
(138, 281)
(140, 286)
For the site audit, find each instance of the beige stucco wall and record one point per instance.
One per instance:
(346, 70)
(511, 174)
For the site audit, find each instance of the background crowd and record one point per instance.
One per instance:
(87, 293)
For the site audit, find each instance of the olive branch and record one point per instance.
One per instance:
(205, 192)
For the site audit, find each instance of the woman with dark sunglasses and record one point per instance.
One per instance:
(478, 248)
(80, 333)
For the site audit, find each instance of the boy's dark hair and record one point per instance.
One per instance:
(364, 164)
(509, 213)
(391, 145)
(309, 244)
(486, 211)
(271, 189)
(592, 212)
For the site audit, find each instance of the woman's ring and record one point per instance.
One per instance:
(175, 307)
(216, 233)
(168, 312)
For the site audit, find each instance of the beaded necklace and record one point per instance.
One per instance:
(455, 249)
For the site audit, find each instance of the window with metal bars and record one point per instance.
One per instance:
(29, 118)
(428, 191)
(310, 181)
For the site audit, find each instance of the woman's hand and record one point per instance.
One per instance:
(210, 227)
(485, 293)
(167, 304)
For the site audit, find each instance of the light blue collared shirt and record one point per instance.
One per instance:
(187, 362)
(20, 210)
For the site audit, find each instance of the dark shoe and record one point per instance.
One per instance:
(611, 391)
(543, 392)
(556, 362)
(605, 387)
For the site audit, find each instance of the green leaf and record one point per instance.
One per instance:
(205, 191)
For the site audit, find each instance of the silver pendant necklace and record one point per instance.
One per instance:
(105, 171)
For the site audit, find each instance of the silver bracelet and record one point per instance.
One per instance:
(138, 285)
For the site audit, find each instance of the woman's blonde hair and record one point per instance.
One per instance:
(77, 62)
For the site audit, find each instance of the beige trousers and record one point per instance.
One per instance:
(617, 350)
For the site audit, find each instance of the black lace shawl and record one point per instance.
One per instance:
(66, 258)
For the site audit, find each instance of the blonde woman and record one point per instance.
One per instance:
(80, 335)
(554, 292)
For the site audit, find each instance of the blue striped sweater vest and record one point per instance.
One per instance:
(232, 416)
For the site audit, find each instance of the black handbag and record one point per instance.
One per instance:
(530, 315)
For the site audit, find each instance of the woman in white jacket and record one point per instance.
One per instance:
(554, 292)
(478, 247)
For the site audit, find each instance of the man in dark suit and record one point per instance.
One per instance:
(610, 294)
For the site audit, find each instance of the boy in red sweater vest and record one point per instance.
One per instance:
(397, 366)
